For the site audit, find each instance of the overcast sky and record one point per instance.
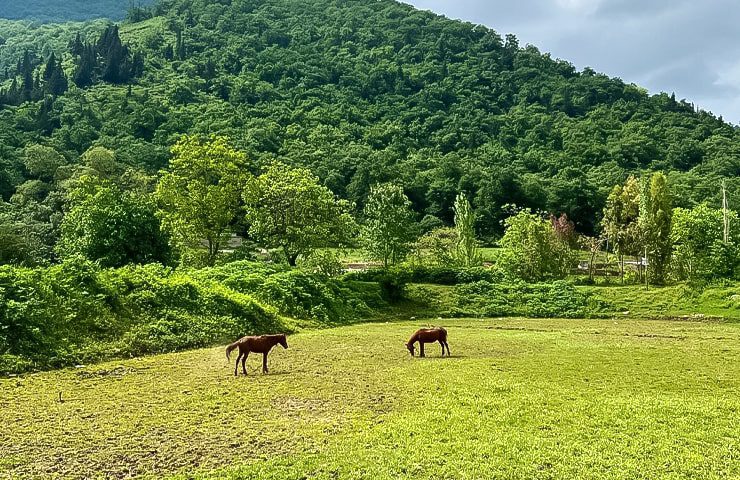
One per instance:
(690, 47)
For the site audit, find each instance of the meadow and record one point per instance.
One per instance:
(519, 398)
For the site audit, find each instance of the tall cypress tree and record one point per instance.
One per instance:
(76, 47)
(51, 65)
(57, 83)
(84, 75)
(117, 64)
(180, 48)
(26, 71)
(137, 66)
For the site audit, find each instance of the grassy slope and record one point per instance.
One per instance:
(629, 301)
(674, 301)
(519, 399)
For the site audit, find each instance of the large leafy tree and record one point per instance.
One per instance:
(111, 226)
(42, 161)
(389, 228)
(288, 209)
(200, 196)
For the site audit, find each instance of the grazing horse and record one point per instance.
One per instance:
(262, 344)
(428, 335)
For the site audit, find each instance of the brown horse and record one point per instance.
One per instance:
(428, 335)
(262, 344)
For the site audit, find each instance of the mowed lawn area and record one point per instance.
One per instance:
(518, 399)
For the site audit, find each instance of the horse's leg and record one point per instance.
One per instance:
(443, 347)
(244, 362)
(236, 365)
(264, 363)
(421, 350)
(448, 349)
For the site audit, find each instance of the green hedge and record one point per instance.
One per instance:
(427, 274)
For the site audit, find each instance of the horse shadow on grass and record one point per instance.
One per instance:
(446, 357)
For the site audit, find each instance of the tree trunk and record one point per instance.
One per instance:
(291, 257)
(647, 278)
(213, 248)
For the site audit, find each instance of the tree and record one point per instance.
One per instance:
(111, 226)
(86, 64)
(467, 253)
(389, 228)
(532, 249)
(697, 236)
(593, 245)
(42, 161)
(437, 247)
(200, 196)
(101, 160)
(75, 46)
(655, 225)
(26, 71)
(56, 81)
(564, 229)
(620, 221)
(287, 208)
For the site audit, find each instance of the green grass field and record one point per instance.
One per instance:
(519, 399)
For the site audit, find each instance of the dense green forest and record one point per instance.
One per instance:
(64, 10)
(360, 92)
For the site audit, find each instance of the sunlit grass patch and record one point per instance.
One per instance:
(518, 399)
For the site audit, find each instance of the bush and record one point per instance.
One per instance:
(558, 299)
(429, 274)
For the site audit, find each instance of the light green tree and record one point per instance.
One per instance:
(697, 236)
(101, 160)
(532, 249)
(620, 222)
(200, 196)
(288, 209)
(467, 253)
(436, 247)
(390, 228)
(655, 225)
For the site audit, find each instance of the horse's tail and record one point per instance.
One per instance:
(230, 349)
(444, 333)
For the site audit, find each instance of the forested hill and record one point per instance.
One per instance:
(65, 10)
(361, 91)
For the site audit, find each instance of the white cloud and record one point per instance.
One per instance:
(583, 7)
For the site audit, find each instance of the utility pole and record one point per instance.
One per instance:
(725, 212)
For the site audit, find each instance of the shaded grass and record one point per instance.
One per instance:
(518, 399)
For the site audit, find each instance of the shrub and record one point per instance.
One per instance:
(436, 275)
(544, 300)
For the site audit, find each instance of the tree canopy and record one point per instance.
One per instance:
(200, 195)
(288, 209)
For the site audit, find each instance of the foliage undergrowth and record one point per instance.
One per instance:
(558, 299)
(77, 312)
